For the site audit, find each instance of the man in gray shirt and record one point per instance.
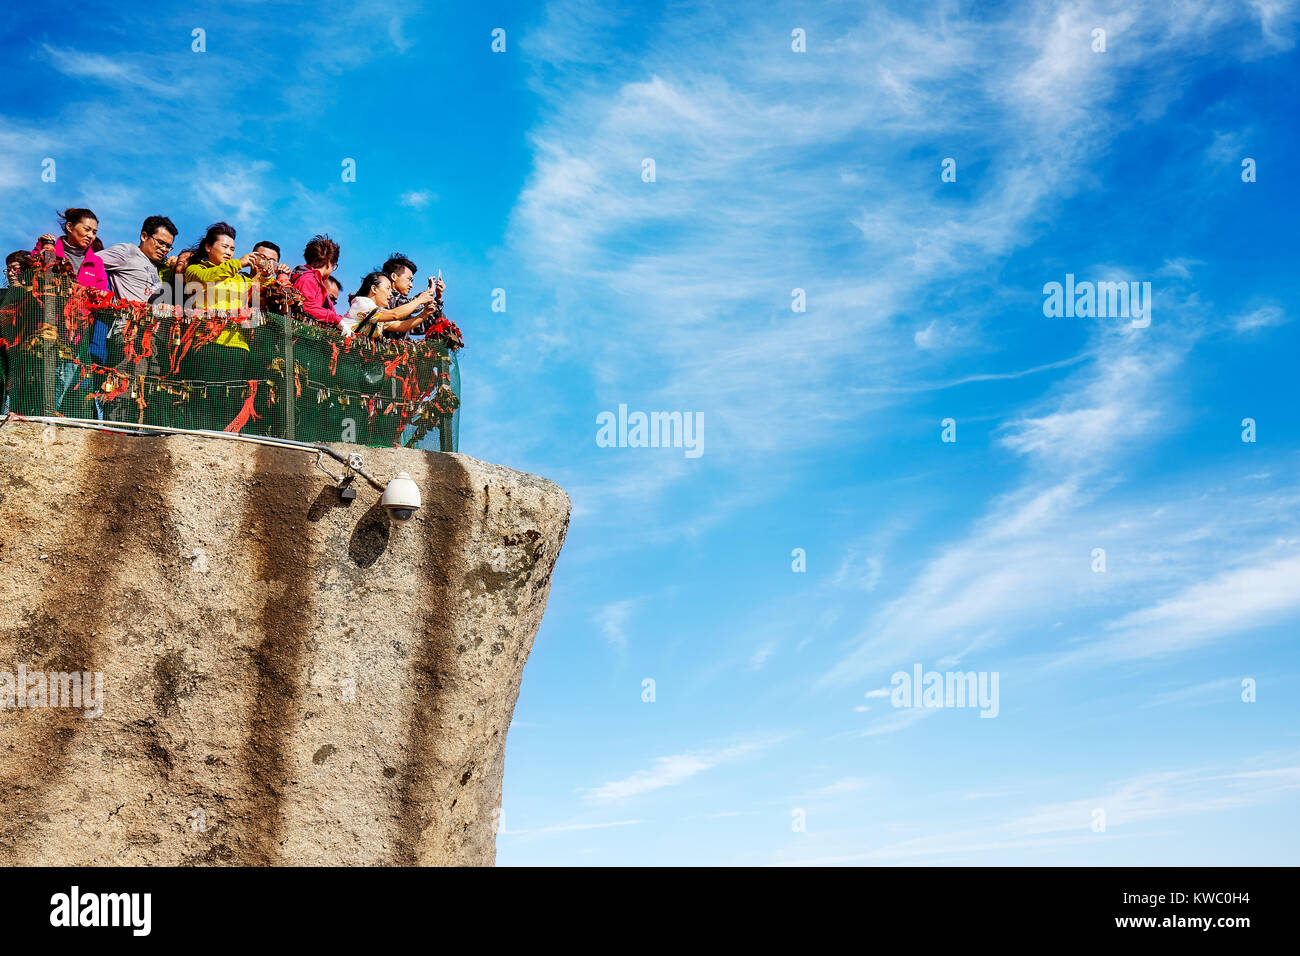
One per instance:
(133, 274)
(133, 270)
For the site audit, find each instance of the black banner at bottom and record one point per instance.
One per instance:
(336, 906)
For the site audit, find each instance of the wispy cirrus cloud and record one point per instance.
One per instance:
(1165, 797)
(612, 620)
(1031, 560)
(570, 828)
(676, 769)
(700, 264)
(844, 785)
(111, 71)
(1224, 690)
(1264, 316)
(1227, 604)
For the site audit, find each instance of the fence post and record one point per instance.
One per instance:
(290, 375)
(444, 425)
(47, 390)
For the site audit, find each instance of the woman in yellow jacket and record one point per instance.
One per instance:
(213, 280)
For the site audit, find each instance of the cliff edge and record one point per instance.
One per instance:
(285, 679)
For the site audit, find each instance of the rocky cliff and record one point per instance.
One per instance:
(286, 679)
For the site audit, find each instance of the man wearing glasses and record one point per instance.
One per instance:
(133, 273)
(133, 270)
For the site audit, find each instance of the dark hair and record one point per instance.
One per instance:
(368, 282)
(266, 244)
(321, 251)
(335, 279)
(199, 251)
(74, 216)
(154, 223)
(18, 255)
(396, 261)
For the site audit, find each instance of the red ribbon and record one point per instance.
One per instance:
(111, 394)
(246, 412)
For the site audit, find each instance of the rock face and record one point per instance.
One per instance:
(286, 679)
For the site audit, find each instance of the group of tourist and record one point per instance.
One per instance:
(209, 275)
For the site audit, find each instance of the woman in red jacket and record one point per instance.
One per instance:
(322, 258)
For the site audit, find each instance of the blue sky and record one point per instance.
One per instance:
(1119, 691)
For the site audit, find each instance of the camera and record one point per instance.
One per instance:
(401, 497)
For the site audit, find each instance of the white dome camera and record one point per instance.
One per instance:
(401, 497)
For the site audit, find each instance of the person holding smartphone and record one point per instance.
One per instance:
(401, 276)
(371, 313)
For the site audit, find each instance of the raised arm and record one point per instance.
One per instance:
(205, 274)
(404, 317)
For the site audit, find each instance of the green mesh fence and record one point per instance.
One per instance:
(81, 353)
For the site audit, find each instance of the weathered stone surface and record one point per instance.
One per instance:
(286, 680)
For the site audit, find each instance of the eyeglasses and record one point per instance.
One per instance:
(162, 244)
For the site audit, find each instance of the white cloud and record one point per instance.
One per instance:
(612, 619)
(418, 198)
(1263, 317)
(1029, 559)
(928, 337)
(571, 828)
(235, 192)
(1229, 604)
(1141, 799)
(685, 246)
(118, 72)
(1226, 149)
(1179, 267)
(838, 788)
(397, 33)
(1277, 19)
(670, 771)
(1226, 690)
(859, 571)
(693, 273)
(900, 719)
(760, 656)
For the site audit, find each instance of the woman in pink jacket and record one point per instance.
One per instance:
(80, 245)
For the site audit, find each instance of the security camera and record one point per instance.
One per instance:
(401, 497)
